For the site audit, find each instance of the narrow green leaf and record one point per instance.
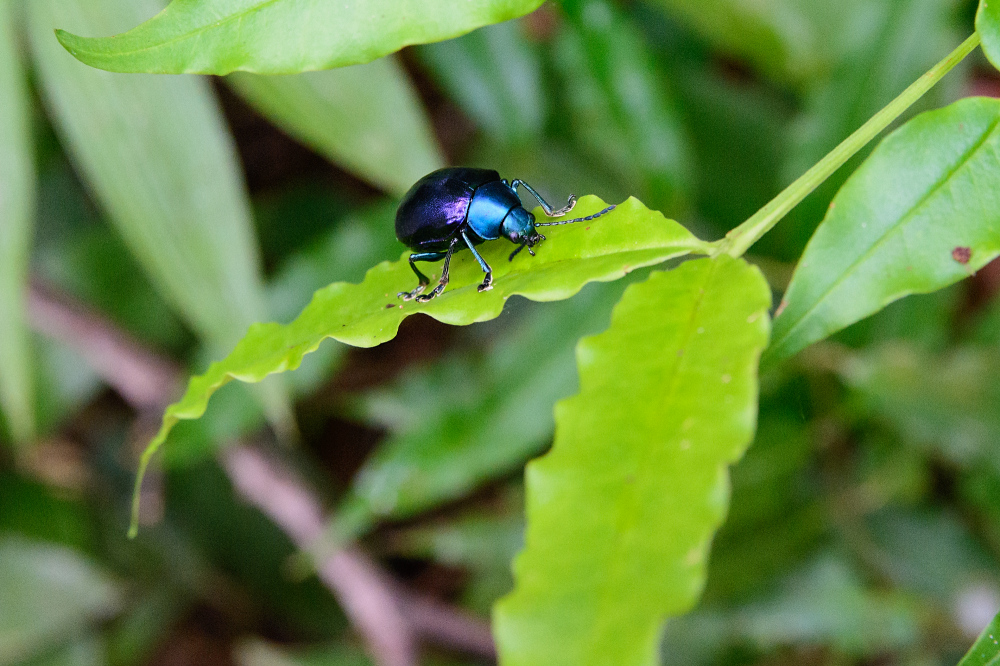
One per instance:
(988, 27)
(367, 119)
(369, 313)
(622, 510)
(49, 593)
(921, 213)
(986, 650)
(495, 74)
(282, 36)
(17, 193)
(619, 103)
(158, 156)
(794, 39)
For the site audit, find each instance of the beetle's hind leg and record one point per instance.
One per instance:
(546, 206)
(424, 281)
(443, 282)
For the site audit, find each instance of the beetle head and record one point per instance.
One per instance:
(519, 227)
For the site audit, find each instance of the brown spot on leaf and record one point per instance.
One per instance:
(962, 254)
(389, 306)
(781, 307)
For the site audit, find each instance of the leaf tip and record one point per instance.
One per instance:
(69, 41)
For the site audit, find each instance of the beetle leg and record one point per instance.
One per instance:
(545, 204)
(488, 280)
(420, 256)
(443, 282)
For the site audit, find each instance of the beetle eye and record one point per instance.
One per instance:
(515, 237)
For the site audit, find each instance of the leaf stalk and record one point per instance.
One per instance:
(739, 240)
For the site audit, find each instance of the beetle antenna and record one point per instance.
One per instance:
(519, 248)
(579, 219)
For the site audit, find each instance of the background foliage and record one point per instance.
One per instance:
(863, 521)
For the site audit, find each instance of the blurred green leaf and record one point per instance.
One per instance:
(221, 36)
(898, 43)
(367, 119)
(793, 39)
(137, 633)
(738, 134)
(34, 512)
(65, 383)
(368, 314)
(480, 542)
(949, 562)
(822, 605)
(622, 510)
(939, 226)
(827, 604)
(88, 264)
(986, 650)
(223, 531)
(256, 652)
(495, 74)
(17, 195)
(86, 649)
(988, 27)
(775, 518)
(619, 104)
(459, 424)
(949, 404)
(157, 154)
(49, 593)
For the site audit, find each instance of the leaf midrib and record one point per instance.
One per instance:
(963, 160)
(238, 16)
(617, 557)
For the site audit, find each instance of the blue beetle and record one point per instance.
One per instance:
(458, 207)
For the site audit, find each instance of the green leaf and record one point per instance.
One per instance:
(158, 156)
(986, 650)
(86, 649)
(461, 423)
(921, 213)
(950, 562)
(17, 192)
(282, 36)
(826, 603)
(48, 593)
(369, 313)
(367, 119)
(495, 74)
(622, 510)
(988, 27)
(480, 543)
(619, 105)
(947, 404)
(793, 39)
(256, 652)
(902, 40)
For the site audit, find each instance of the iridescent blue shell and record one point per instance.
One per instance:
(432, 211)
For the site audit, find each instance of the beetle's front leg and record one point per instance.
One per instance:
(424, 281)
(488, 280)
(551, 212)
